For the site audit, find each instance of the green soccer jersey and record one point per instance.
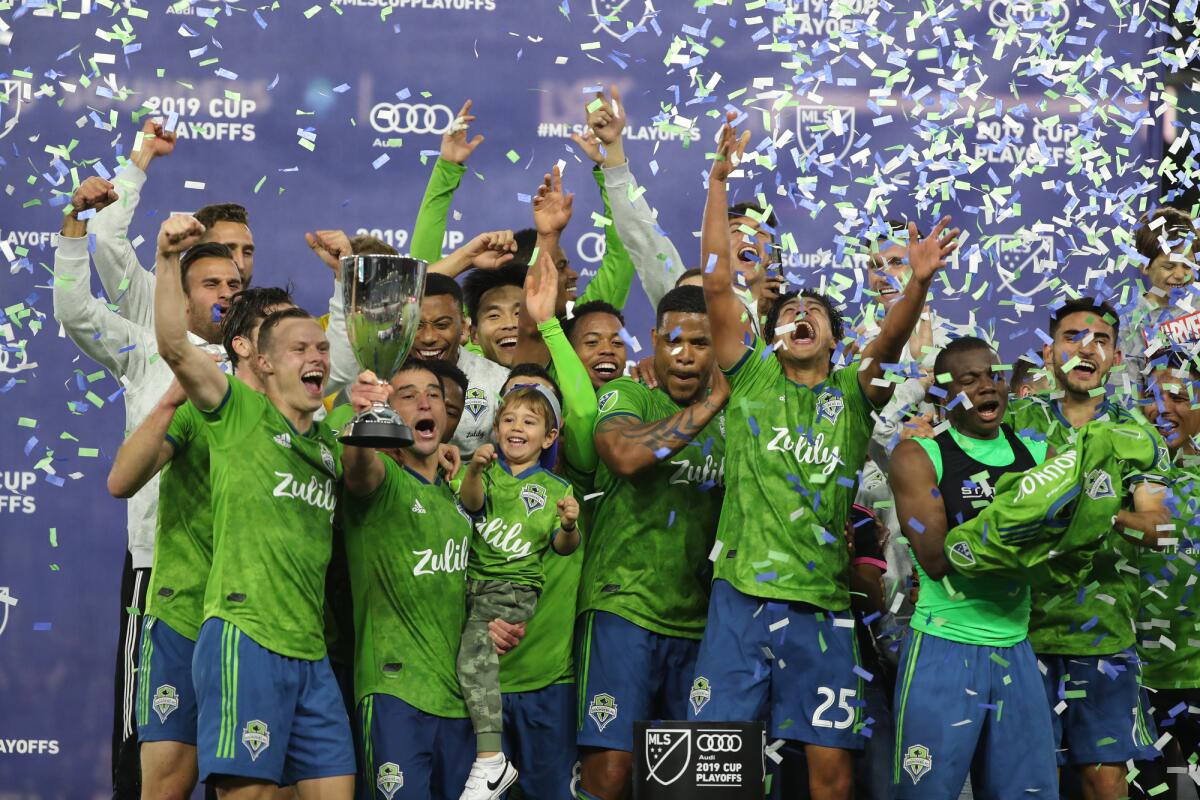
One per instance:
(274, 492)
(977, 609)
(183, 536)
(407, 545)
(519, 515)
(1096, 618)
(1168, 630)
(648, 548)
(792, 455)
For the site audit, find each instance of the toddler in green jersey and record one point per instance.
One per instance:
(522, 510)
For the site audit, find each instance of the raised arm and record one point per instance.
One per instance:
(565, 540)
(541, 295)
(471, 492)
(362, 469)
(147, 450)
(202, 380)
(486, 251)
(430, 226)
(579, 398)
(551, 212)
(919, 507)
(627, 445)
(330, 246)
(925, 258)
(731, 325)
(101, 334)
(124, 279)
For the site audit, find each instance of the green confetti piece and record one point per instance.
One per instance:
(513, 156)
(1074, 694)
(258, 185)
(27, 422)
(54, 567)
(311, 12)
(595, 104)
(94, 399)
(54, 537)
(89, 452)
(999, 660)
(821, 641)
(1105, 740)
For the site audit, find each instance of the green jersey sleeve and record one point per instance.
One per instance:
(612, 281)
(185, 426)
(757, 370)
(430, 227)
(622, 397)
(579, 400)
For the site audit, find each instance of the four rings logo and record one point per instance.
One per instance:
(719, 742)
(411, 118)
(1034, 13)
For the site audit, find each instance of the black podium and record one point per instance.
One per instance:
(686, 760)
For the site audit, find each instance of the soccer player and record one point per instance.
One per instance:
(1167, 636)
(1027, 379)
(1085, 639)
(126, 348)
(171, 440)
(969, 678)
(522, 511)
(455, 384)
(269, 709)
(407, 540)
(797, 434)
(493, 299)
(644, 590)
(594, 330)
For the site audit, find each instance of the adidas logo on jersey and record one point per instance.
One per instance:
(284, 440)
(417, 508)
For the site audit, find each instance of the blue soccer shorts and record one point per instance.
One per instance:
(790, 664)
(408, 753)
(537, 738)
(1098, 708)
(971, 710)
(627, 673)
(265, 716)
(166, 701)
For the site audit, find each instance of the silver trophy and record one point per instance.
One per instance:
(382, 297)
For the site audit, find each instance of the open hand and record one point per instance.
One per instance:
(178, 233)
(541, 288)
(492, 249)
(731, 146)
(552, 208)
(455, 146)
(926, 256)
(589, 144)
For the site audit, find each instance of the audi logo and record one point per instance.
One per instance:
(719, 742)
(411, 118)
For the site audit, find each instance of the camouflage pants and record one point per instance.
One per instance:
(478, 664)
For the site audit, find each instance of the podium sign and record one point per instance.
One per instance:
(675, 760)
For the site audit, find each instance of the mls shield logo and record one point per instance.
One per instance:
(389, 780)
(476, 402)
(533, 495)
(1025, 264)
(256, 737)
(1099, 484)
(701, 693)
(166, 700)
(918, 761)
(668, 753)
(13, 94)
(961, 555)
(825, 129)
(327, 460)
(603, 710)
(830, 406)
(607, 14)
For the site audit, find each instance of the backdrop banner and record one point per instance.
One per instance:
(1038, 125)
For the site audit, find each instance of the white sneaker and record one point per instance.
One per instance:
(489, 779)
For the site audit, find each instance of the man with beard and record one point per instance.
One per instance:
(644, 589)
(968, 663)
(1085, 639)
(126, 348)
(797, 432)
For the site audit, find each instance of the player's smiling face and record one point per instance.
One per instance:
(296, 363)
(598, 343)
(889, 272)
(522, 432)
(683, 355)
(973, 374)
(417, 397)
(803, 332)
(1171, 271)
(1170, 400)
(440, 330)
(496, 329)
(1088, 344)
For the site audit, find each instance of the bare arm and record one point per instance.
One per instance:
(565, 540)
(726, 313)
(627, 446)
(485, 251)
(202, 380)
(362, 469)
(920, 509)
(925, 258)
(147, 450)
(866, 588)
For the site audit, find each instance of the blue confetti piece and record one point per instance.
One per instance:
(753, 425)
(916, 525)
(29, 445)
(342, 87)
(216, 313)
(763, 577)
(862, 673)
(262, 23)
(54, 480)
(671, 519)
(379, 162)
(41, 626)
